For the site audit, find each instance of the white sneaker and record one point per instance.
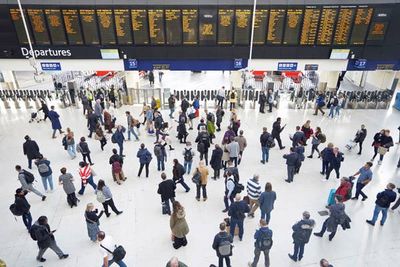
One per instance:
(380, 162)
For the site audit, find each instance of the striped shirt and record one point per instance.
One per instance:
(253, 189)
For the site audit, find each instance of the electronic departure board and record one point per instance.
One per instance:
(260, 26)
(123, 26)
(327, 25)
(225, 26)
(156, 26)
(106, 26)
(173, 26)
(56, 26)
(208, 27)
(294, 18)
(140, 27)
(360, 26)
(310, 25)
(379, 25)
(19, 26)
(189, 26)
(89, 26)
(72, 26)
(343, 25)
(39, 28)
(275, 25)
(242, 26)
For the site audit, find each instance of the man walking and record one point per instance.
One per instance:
(55, 121)
(382, 203)
(301, 235)
(223, 246)
(263, 243)
(26, 179)
(242, 145)
(144, 159)
(98, 111)
(360, 137)
(131, 126)
(276, 132)
(167, 191)
(22, 206)
(253, 192)
(171, 105)
(119, 138)
(292, 160)
(45, 172)
(107, 247)
(115, 160)
(178, 171)
(31, 150)
(364, 178)
(298, 137)
(237, 212)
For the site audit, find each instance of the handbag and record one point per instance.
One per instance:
(100, 196)
(382, 150)
(118, 253)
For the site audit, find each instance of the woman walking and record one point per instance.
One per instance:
(307, 130)
(267, 200)
(315, 141)
(99, 135)
(382, 142)
(104, 196)
(178, 225)
(70, 143)
(92, 221)
(86, 173)
(67, 181)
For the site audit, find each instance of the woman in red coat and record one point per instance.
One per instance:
(306, 129)
(344, 188)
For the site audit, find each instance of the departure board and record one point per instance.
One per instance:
(260, 26)
(225, 26)
(72, 26)
(39, 28)
(56, 26)
(173, 25)
(89, 26)
(310, 25)
(294, 18)
(123, 26)
(156, 26)
(106, 26)
(189, 26)
(379, 25)
(343, 26)
(360, 26)
(327, 25)
(140, 27)
(19, 26)
(208, 27)
(242, 26)
(275, 26)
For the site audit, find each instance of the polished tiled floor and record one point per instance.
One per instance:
(145, 233)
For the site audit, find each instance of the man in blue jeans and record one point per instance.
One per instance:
(107, 246)
(237, 212)
(364, 178)
(382, 203)
(263, 243)
(264, 140)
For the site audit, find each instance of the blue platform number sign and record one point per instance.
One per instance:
(360, 64)
(287, 66)
(238, 63)
(50, 66)
(132, 64)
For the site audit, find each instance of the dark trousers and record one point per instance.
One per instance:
(397, 204)
(232, 227)
(234, 160)
(330, 169)
(30, 163)
(359, 187)
(262, 106)
(141, 168)
(179, 242)
(167, 206)
(226, 201)
(90, 133)
(278, 138)
(216, 173)
(325, 166)
(240, 157)
(110, 203)
(232, 105)
(314, 148)
(324, 226)
(205, 156)
(182, 182)
(220, 101)
(87, 156)
(72, 200)
(257, 253)
(298, 251)
(221, 261)
(27, 219)
(103, 142)
(360, 145)
(203, 188)
(320, 109)
(290, 172)
(121, 148)
(375, 152)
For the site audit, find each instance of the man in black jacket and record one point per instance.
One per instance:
(292, 160)
(178, 171)
(31, 150)
(167, 191)
(203, 144)
(264, 138)
(262, 100)
(237, 212)
(360, 137)
(115, 157)
(276, 132)
(45, 239)
(23, 207)
(222, 243)
(335, 163)
(301, 235)
(382, 203)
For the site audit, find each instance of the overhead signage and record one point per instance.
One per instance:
(287, 65)
(311, 67)
(50, 66)
(363, 65)
(46, 52)
(131, 64)
(238, 63)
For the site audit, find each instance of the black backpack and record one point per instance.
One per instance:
(188, 154)
(270, 142)
(264, 241)
(14, 210)
(32, 231)
(29, 178)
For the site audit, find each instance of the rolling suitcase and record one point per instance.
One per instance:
(331, 197)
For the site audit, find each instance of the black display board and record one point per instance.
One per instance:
(173, 26)
(327, 25)
(72, 26)
(190, 26)
(226, 17)
(379, 25)
(89, 26)
(123, 26)
(310, 25)
(156, 26)
(106, 26)
(275, 26)
(56, 26)
(140, 26)
(294, 19)
(260, 26)
(208, 26)
(19, 26)
(39, 27)
(360, 26)
(243, 18)
(343, 25)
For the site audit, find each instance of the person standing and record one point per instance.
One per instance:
(55, 121)
(26, 179)
(23, 207)
(100, 136)
(203, 171)
(335, 162)
(221, 97)
(262, 100)
(158, 124)
(232, 99)
(270, 98)
(307, 130)
(253, 192)
(276, 132)
(116, 162)
(67, 181)
(70, 143)
(326, 155)
(360, 137)
(188, 155)
(45, 239)
(234, 150)
(119, 138)
(237, 212)
(333, 102)
(161, 155)
(31, 150)
(171, 105)
(151, 78)
(219, 113)
(86, 173)
(222, 244)
(144, 159)
(365, 176)
(203, 144)
(104, 196)
(167, 191)
(92, 221)
(178, 225)
(298, 137)
(182, 132)
(92, 121)
(266, 141)
(301, 235)
(386, 142)
(229, 190)
(216, 161)
(107, 247)
(131, 122)
(45, 172)
(266, 202)
(177, 174)
(382, 203)
(242, 145)
(377, 142)
(263, 243)
(315, 141)
(98, 111)
(292, 160)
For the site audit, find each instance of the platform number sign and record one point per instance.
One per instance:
(287, 66)
(360, 64)
(238, 63)
(50, 66)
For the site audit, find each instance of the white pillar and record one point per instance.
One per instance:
(9, 80)
(330, 78)
(132, 79)
(235, 79)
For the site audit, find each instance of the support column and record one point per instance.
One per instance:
(9, 81)
(328, 78)
(132, 83)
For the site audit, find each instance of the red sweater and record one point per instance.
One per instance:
(343, 189)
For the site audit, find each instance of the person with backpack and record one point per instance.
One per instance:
(326, 156)
(292, 160)
(222, 245)
(177, 174)
(237, 212)
(31, 150)
(21, 207)
(184, 104)
(105, 197)
(365, 176)
(263, 243)
(203, 144)
(219, 113)
(55, 121)
(119, 138)
(167, 191)
(178, 225)
(158, 124)
(144, 159)
(161, 155)
(99, 136)
(26, 179)
(40, 232)
(315, 141)
(232, 98)
(319, 104)
(108, 248)
(131, 123)
(188, 155)
(202, 183)
(382, 203)
(216, 161)
(116, 162)
(266, 202)
(86, 173)
(301, 235)
(67, 181)
(69, 143)
(267, 142)
(92, 121)
(171, 105)
(83, 148)
(45, 172)
(276, 132)
(360, 137)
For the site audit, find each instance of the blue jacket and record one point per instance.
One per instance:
(267, 200)
(196, 104)
(300, 151)
(384, 198)
(55, 121)
(297, 138)
(292, 159)
(144, 156)
(336, 161)
(327, 154)
(260, 231)
(119, 137)
(238, 209)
